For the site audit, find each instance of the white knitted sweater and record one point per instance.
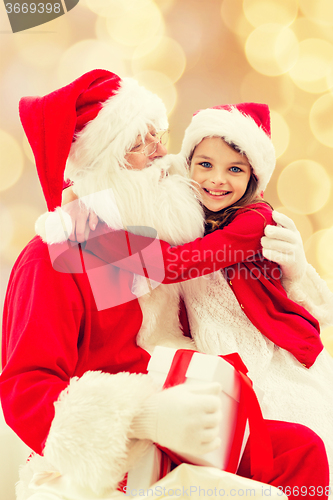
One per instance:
(292, 392)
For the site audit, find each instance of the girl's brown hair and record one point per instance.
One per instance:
(218, 220)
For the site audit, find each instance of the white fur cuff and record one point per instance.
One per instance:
(88, 439)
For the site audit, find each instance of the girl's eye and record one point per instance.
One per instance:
(235, 169)
(206, 164)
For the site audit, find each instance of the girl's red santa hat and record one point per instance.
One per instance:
(88, 125)
(245, 125)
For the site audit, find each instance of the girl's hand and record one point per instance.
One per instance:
(83, 220)
(283, 244)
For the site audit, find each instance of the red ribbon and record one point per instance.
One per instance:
(261, 453)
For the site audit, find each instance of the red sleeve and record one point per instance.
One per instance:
(42, 317)
(237, 242)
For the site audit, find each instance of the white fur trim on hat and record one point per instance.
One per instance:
(100, 147)
(54, 227)
(238, 129)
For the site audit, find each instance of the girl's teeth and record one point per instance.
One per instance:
(214, 193)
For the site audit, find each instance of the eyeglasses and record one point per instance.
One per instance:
(160, 137)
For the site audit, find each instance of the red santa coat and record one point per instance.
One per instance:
(254, 280)
(54, 333)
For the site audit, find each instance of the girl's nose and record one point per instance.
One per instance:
(218, 178)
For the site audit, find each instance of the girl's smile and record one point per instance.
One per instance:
(221, 172)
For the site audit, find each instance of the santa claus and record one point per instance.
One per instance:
(74, 384)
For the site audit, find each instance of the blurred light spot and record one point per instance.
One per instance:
(314, 65)
(23, 218)
(305, 28)
(165, 5)
(320, 11)
(19, 79)
(272, 49)
(324, 250)
(167, 57)
(190, 35)
(43, 50)
(233, 17)
(304, 186)
(137, 25)
(41, 55)
(110, 8)
(256, 87)
(302, 222)
(125, 52)
(311, 250)
(260, 12)
(146, 48)
(27, 149)
(11, 165)
(88, 55)
(324, 217)
(6, 227)
(161, 85)
(321, 119)
(280, 133)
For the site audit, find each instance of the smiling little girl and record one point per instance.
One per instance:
(244, 308)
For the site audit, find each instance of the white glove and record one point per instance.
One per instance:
(283, 244)
(184, 418)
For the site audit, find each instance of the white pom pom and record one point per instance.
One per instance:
(54, 227)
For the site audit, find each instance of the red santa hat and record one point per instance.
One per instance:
(98, 115)
(245, 125)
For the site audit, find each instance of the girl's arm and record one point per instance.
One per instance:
(237, 242)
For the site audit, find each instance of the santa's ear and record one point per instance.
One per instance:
(54, 227)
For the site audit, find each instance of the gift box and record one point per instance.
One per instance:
(240, 408)
(204, 368)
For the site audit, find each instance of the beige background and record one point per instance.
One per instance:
(194, 54)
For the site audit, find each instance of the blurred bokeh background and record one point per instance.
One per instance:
(194, 54)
